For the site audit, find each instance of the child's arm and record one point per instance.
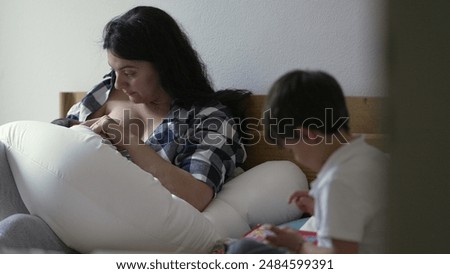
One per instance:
(292, 240)
(285, 237)
(339, 247)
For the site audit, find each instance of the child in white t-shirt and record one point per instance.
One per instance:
(306, 114)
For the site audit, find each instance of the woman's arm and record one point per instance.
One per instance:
(178, 181)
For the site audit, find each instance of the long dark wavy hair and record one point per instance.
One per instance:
(150, 34)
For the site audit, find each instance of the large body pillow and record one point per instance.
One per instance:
(258, 196)
(95, 199)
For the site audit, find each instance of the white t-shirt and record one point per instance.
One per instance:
(350, 197)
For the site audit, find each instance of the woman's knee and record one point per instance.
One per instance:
(10, 200)
(24, 231)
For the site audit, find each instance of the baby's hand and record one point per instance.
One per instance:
(89, 123)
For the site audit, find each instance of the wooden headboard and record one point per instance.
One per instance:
(366, 117)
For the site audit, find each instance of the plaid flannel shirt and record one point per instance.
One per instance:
(202, 140)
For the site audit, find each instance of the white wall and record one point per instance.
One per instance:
(52, 45)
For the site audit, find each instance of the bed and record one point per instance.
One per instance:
(124, 208)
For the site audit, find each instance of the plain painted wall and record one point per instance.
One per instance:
(52, 45)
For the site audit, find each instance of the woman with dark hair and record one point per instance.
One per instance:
(150, 34)
(156, 106)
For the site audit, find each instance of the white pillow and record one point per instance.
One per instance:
(258, 196)
(94, 198)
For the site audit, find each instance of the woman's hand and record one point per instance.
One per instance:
(303, 201)
(286, 237)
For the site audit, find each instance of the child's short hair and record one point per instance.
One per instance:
(311, 99)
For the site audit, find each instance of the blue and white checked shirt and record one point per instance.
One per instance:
(201, 140)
